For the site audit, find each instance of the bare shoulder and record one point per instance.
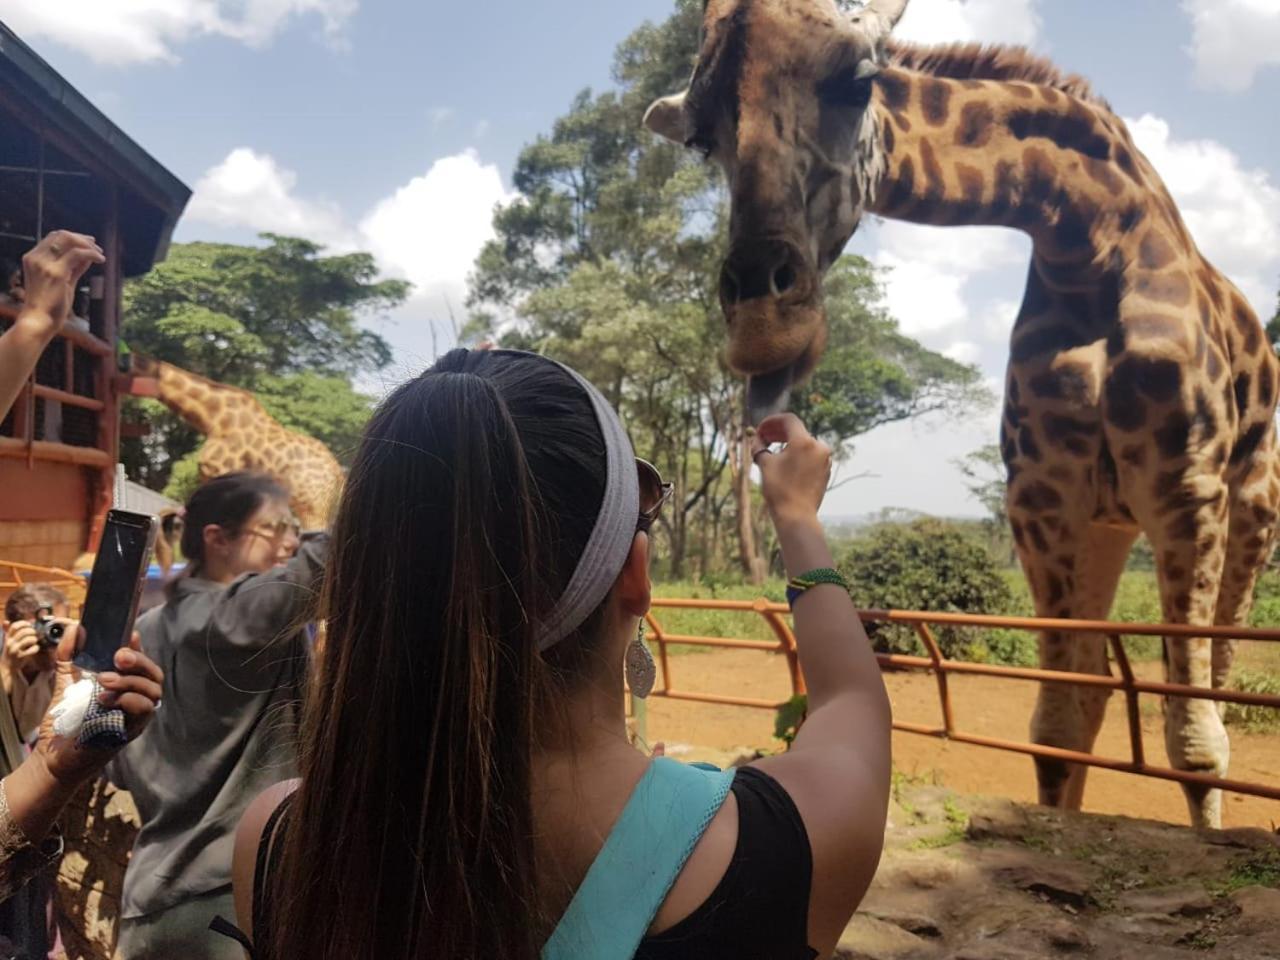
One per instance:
(248, 838)
(838, 795)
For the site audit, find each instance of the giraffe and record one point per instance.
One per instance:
(243, 436)
(1140, 392)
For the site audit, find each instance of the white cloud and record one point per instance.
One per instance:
(428, 231)
(997, 320)
(142, 31)
(989, 21)
(1231, 40)
(1233, 213)
(249, 189)
(440, 115)
(930, 269)
(964, 351)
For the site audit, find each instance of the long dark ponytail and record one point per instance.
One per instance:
(470, 499)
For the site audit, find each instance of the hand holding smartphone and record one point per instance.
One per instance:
(115, 588)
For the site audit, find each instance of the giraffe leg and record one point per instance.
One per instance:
(1190, 549)
(1076, 581)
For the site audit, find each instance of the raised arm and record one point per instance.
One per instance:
(51, 271)
(258, 609)
(838, 769)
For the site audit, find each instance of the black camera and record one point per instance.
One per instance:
(48, 630)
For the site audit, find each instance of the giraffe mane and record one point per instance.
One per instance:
(976, 61)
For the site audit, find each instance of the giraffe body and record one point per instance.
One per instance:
(1140, 392)
(241, 435)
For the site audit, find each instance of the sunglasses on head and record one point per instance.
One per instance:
(654, 492)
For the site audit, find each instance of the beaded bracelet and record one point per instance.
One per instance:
(796, 586)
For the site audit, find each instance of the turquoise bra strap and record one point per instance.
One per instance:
(647, 848)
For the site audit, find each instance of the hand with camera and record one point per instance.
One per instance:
(29, 646)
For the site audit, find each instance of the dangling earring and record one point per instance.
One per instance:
(641, 671)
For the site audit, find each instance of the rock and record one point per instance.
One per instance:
(867, 938)
(1181, 901)
(920, 924)
(927, 872)
(1259, 910)
(1060, 882)
(998, 821)
(1066, 935)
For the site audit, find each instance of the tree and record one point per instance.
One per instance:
(609, 260)
(282, 320)
(985, 472)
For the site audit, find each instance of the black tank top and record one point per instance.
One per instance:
(758, 911)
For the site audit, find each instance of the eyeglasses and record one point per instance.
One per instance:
(654, 492)
(276, 530)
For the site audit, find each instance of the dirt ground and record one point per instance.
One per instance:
(982, 705)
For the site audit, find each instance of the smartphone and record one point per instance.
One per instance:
(115, 587)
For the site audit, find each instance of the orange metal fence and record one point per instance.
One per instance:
(14, 575)
(776, 616)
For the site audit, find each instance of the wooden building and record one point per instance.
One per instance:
(64, 165)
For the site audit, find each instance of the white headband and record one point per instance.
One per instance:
(615, 527)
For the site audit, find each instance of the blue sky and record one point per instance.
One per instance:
(394, 127)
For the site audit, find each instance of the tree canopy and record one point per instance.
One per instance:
(282, 320)
(609, 260)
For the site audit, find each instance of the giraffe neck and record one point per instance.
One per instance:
(1003, 153)
(198, 401)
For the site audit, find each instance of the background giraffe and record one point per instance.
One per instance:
(1141, 390)
(241, 435)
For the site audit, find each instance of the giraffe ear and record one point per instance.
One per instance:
(666, 118)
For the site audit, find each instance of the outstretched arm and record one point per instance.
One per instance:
(51, 271)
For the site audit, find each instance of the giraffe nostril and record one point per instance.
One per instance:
(784, 278)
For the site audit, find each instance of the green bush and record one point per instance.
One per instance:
(1257, 719)
(930, 565)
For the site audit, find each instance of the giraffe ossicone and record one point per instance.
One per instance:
(1141, 390)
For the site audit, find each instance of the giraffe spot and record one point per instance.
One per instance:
(935, 101)
(1074, 227)
(1206, 420)
(1170, 288)
(1134, 456)
(1015, 392)
(1020, 90)
(1028, 446)
(1051, 96)
(1006, 196)
(1214, 364)
(1248, 444)
(1182, 604)
(971, 184)
(1156, 252)
(903, 122)
(1036, 536)
(1175, 573)
(1055, 589)
(1202, 348)
(1266, 389)
(887, 136)
(1130, 217)
(1249, 328)
(935, 187)
(1103, 173)
(1038, 497)
(1123, 408)
(778, 128)
(1206, 316)
(1070, 433)
(1075, 131)
(1155, 326)
(977, 120)
(1171, 437)
(1124, 160)
(1161, 380)
(895, 91)
(1019, 536)
(1243, 382)
(1043, 339)
(904, 185)
(1183, 528)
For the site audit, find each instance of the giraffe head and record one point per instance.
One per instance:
(778, 98)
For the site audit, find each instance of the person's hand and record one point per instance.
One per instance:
(135, 688)
(23, 651)
(794, 479)
(51, 271)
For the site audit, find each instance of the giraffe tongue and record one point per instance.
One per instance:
(768, 393)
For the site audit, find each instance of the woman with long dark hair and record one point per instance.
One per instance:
(467, 785)
(232, 642)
